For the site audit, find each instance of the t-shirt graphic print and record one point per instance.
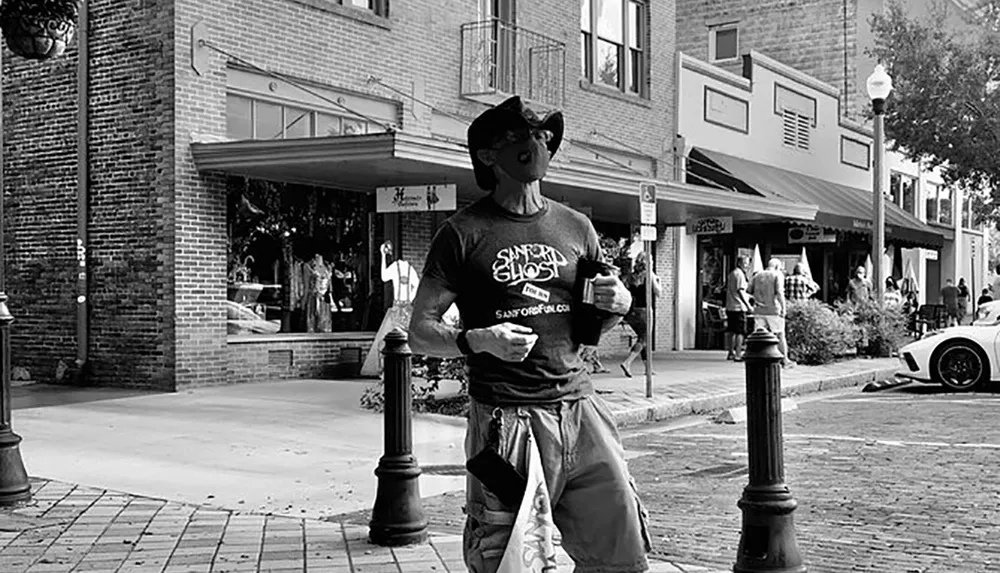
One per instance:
(521, 269)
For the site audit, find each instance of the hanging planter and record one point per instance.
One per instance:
(38, 29)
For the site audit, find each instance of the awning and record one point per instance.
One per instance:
(840, 206)
(365, 162)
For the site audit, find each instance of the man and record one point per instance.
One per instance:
(963, 299)
(859, 288)
(768, 290)
(737, 307)
(798, 286)
(949, 298)
(509, 262)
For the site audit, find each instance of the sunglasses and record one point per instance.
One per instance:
(521, 135)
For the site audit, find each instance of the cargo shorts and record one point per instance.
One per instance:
(596, 507)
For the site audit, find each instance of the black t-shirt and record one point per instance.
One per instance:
(521, 269)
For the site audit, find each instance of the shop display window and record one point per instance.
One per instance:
(299, 259)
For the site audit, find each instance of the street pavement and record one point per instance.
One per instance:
(246, 460)
(899, 481)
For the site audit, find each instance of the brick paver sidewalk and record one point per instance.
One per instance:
(69, 529)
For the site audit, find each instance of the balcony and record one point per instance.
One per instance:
(499, 59)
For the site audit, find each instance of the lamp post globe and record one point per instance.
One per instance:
(879, 87)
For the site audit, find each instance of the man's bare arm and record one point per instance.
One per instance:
(429, 335)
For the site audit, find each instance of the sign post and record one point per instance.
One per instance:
(647, 220)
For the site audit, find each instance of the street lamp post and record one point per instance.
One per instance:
(879, 86)
(35, 30)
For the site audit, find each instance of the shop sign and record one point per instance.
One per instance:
(930, 254)
(710, 226)
(416, 198)
(647, 232)
(810, 235)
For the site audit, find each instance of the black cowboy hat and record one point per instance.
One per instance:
(509, 115)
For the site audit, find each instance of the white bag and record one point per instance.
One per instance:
(531, 549)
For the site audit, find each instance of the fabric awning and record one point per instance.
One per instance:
(840, 206)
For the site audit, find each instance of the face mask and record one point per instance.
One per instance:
(524, 161)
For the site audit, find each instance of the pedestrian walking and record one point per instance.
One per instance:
(963, 299)
(892, 298)
(510, 262)
(636, 317)
(949, 298)
(768, 290)
(798, 286)
(737, 307)
(859, 288)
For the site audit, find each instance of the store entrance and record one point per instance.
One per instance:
(715, 260)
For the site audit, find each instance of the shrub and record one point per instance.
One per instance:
(882, 328)
(427, 374)
(815, 333)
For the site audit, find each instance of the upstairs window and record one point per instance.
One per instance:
(903, 192)
(931, 202)
(723, 43)
(613, 44)
(251, 118)
(379, 7)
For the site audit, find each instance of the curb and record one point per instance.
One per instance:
(676, 408)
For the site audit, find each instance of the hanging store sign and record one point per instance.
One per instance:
(416, 198)
(710, 226)
(797, 235)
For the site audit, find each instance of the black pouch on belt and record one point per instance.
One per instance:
(496, 473)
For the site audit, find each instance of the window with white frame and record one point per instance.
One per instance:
(613, 43)
(723, 42)
(903, 191)
(931, 202)
(379, 7)
(968, 219)
(940, 204)
(253, 118)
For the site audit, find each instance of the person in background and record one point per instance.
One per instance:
(891, 297)
(963, 299)
(636, 317)
(798, 286)
(859, 288)
(995, 285)
(737, 307)
(985, 297)
(949, 298)
(768, 290)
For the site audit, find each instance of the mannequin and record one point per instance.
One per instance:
(317, 296)
(405, 281)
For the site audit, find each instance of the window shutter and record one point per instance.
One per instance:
(796, 129)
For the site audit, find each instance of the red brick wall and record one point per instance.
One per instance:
(809, 35)
(129, 155)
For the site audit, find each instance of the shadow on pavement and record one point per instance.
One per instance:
(46, 395)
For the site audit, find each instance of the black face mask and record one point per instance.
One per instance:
(524, 161)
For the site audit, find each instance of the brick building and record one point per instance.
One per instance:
(192, 112)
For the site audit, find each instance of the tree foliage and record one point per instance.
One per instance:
(945, 105)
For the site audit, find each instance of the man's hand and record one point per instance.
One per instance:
(611, 294)
(507, 341)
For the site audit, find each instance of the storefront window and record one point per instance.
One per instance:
(299, 259)
(946, 208)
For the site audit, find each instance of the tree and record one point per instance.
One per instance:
(945, 106)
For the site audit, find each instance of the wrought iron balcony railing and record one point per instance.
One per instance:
(499, 58)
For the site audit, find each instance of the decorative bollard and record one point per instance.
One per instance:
(767, 542)
(398, 515)
(14, 484)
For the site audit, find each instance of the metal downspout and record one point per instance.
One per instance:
(82, 193)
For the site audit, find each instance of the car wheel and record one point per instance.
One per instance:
(959, 365)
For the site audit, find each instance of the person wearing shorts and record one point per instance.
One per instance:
(509, 262)
(737, 307)
(768, 290)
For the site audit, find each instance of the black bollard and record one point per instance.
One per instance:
(398, 515)
(767, 542)
(14, 484)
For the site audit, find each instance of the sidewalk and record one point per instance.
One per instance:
(75, 529)
(254, 472)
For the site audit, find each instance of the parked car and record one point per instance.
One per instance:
(959, 357)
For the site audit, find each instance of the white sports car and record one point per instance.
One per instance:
(958, 357)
